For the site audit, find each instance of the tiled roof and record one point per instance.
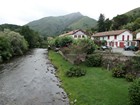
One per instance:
(72, 32)
(109, 33)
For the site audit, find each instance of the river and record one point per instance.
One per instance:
(31, 80)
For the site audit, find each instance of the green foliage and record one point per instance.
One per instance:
(11, 44)
(108, 24)
(101, 23)
(75, 72)
(83, 46)
(119, 21)
(134, 93)
(118, 71)
(52, 26)
(96, 87)
(134, 14)
(63, 41)
(84, 23)
(94, 60)
(5, 47)
(31, 36)
(129, 26)
(136, 64)
(130, 77)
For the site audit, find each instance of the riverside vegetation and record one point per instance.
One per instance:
(16, 40)
(97, 85)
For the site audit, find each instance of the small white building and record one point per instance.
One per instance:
(117, 38)
(138, 35)
(138, 39)
(76, 34)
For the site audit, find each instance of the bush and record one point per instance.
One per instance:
(134, 93)
(93, 60)
(118, 72)
(75, 72)
(136, 63)
(130, 77)
(63, 41)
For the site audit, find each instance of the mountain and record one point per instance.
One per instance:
(51, 26)
(134, 12)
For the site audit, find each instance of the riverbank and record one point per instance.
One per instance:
(98, 87)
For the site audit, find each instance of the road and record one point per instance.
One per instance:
(122, 51)
(31, 80)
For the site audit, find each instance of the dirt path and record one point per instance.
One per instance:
(31, 80)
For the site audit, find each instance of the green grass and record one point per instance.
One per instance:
(98, 87)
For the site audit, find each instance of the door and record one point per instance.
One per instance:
(121, 44)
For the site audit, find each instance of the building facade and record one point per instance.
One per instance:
(118, 38)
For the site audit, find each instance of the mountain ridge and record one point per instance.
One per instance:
(56, 25)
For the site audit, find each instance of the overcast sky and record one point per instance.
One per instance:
(21, 12)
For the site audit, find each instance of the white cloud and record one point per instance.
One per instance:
(23, 11)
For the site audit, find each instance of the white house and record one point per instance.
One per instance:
(117, 38)
(138, 39)
(76, 34)
(138, 35)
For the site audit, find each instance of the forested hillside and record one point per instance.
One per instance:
(51, 26)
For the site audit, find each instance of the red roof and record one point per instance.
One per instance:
(109, 33)
(73, 32)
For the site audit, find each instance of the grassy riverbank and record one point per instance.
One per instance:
(98, 87)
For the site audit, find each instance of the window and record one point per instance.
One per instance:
(108, 37)
(79, 36)
(123, 38)
(116, 44)
(115, 37)
(83, 36)
(128, 37)
(75, 36)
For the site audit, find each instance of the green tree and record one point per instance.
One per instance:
(119, 21)
(108, 24)
(11, 44)
(101, 23)
(31, 36)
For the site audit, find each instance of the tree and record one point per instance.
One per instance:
(119, 21)
(101, 23)
(31, 36)
(11, 44)
(108, 24)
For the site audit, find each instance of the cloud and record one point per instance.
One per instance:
(23, 11)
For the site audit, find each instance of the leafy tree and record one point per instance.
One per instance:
(101, 23)
(31, 36)
(129, 26)
(18, 43)
(108, 24)
(119, 21)
(11, 44)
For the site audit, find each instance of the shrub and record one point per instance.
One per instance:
(136, 63)
(75, 72)
(130, 77)
(134, 93)
(93, 60)
(63, 41)
(65, 50)
(118, 72)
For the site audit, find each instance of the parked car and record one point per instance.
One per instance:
(133, 48)
(105, 47)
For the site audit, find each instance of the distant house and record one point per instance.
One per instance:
(138, 39)
(117, 38)
(76, 34)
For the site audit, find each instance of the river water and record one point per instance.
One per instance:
(31, 80)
